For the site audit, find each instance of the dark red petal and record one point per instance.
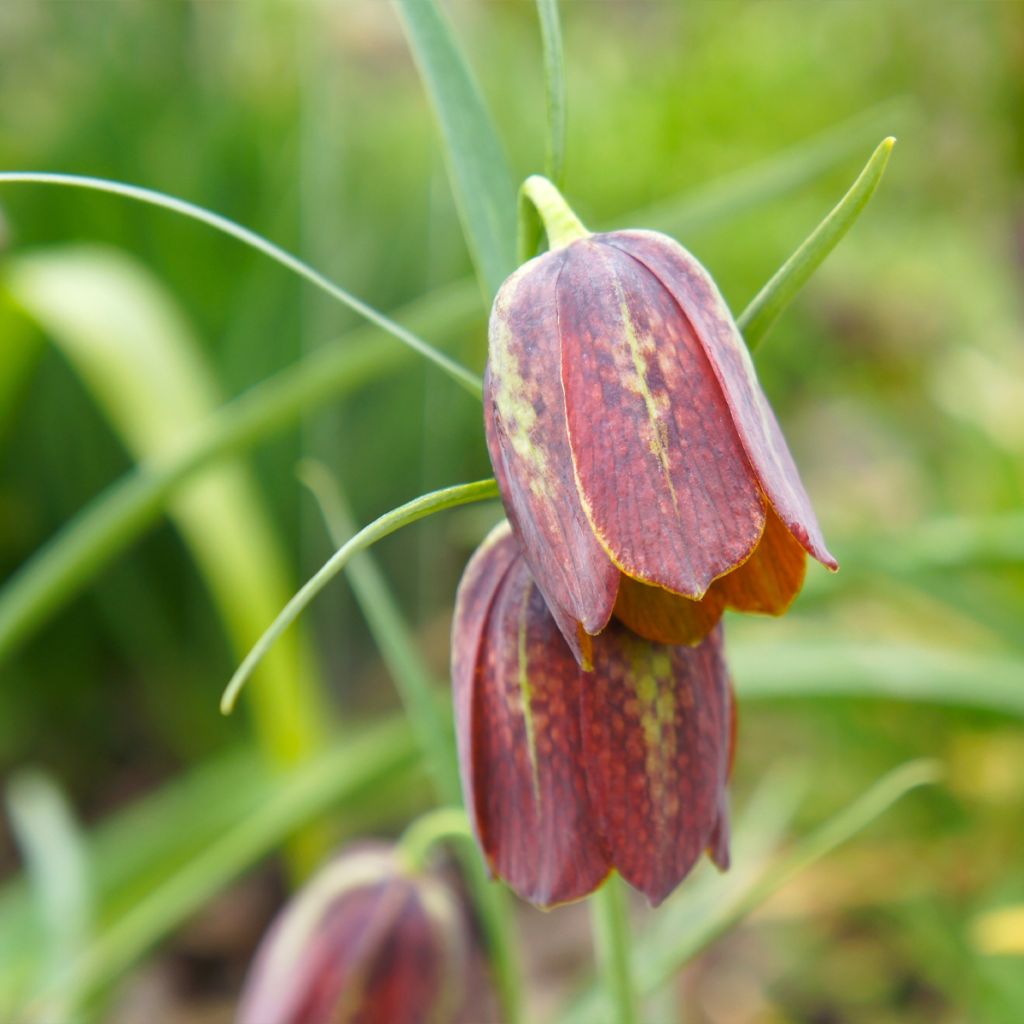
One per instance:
(530, 801)
(473, 600)
(656, 734)
(769, 580)
(662, 475)
(703, 305)
(524, 418)
(667, 618)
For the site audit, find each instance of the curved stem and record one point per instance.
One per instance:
(610, 922)
(458, 373)
(443, 824)
(560, 223)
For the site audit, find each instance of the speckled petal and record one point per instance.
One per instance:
(663, 478)
(529, 798)
(524, 417)
(657, 723)
(699, 298)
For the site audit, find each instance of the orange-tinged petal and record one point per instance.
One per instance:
(657, 724)
(663, 478)
(530, 804)
(769, 580)
(755, 423)
(667, 618)
(524, 417)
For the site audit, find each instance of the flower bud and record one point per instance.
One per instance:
(364, 940)
(642, 469)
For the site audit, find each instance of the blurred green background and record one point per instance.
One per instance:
(898, 375)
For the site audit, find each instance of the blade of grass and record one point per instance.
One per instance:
(484, 189)
(151, 197)
(121, 513)
(609, 917)
(418, 691)
(838, 668)
(657, 958)
(137, 355)
(53, 850)
(432, 727)
(766, 307)
(554, 88)
(410, 512)
(347, 772)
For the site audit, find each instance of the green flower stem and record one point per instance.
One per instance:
(560, 223)
(433, 737)
(410, 512)
(612, 947)
(441, 825)
(554, 87)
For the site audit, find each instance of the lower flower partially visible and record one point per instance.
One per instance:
(367, 940)
(569, 774)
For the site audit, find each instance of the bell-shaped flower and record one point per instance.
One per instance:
(367, 940)
(641, 466)
(568, 774)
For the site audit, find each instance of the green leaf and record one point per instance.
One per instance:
(554, 87)
(840, 668)
(458, 373)
(126, 509)
(392, 635)
(137, 355)
(691, 921)
(410, 512)
(484, 188)
(53, 850)
(766, 307)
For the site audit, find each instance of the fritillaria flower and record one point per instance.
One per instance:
(641, 467)
(568, 774)
(365, 940)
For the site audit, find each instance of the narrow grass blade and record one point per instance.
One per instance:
(53, 850)
(484, 188)
(766, 307)
(126, 509)
(362, 764)
(458, 373)
(419, 692)
(657, 958)
(137, 355)
(418, 508)
(554, 87)
(838, 668)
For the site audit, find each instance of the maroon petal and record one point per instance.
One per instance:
(524, 416)
(662, 475)
(702, 303)
(520, 744)
(657, 723)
